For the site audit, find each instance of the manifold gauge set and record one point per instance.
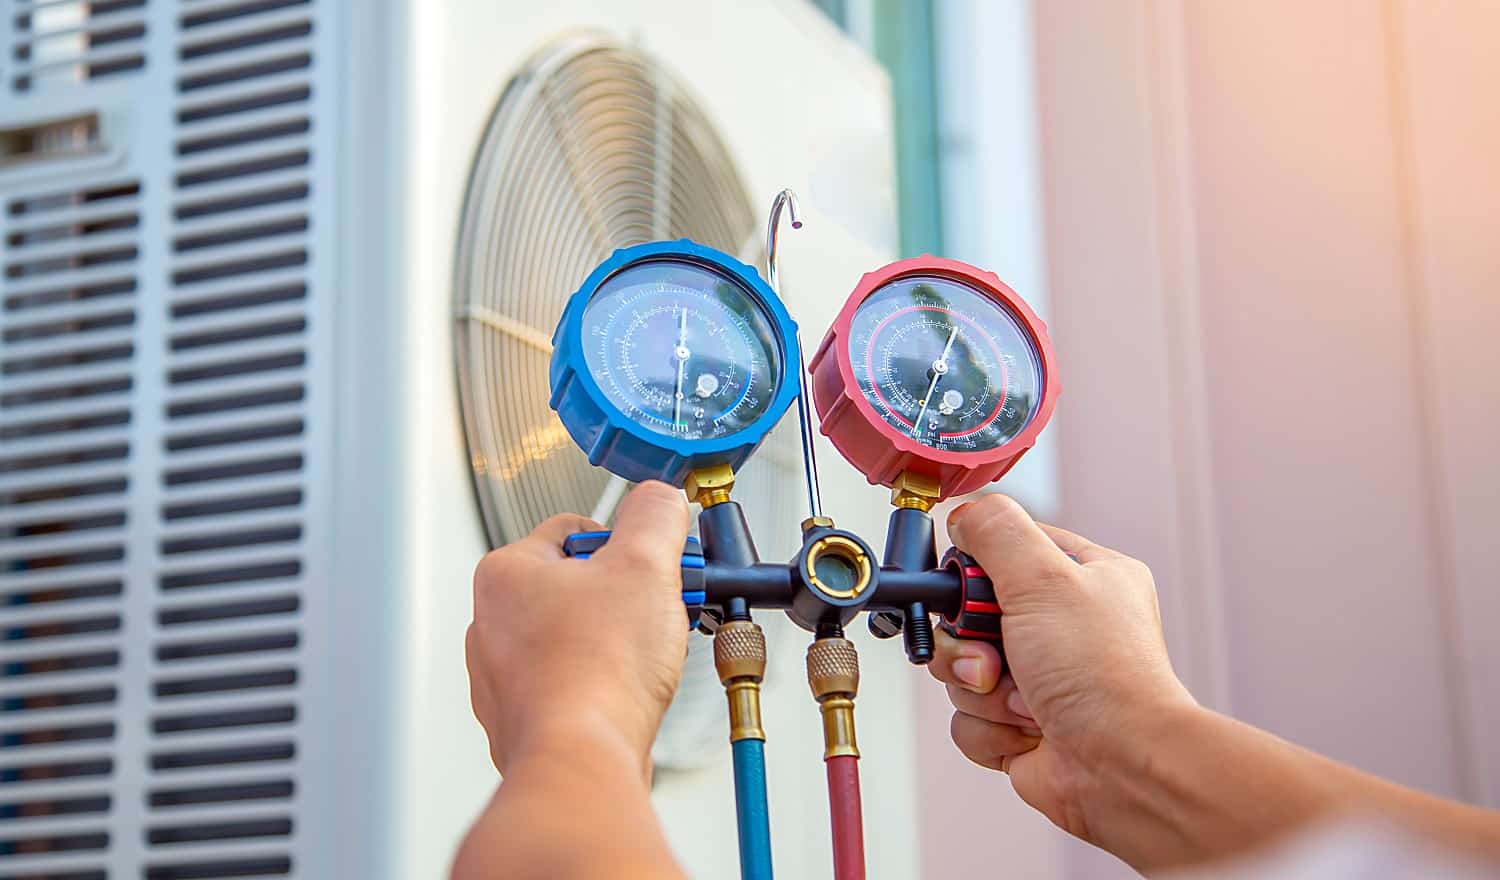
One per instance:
(673, 361)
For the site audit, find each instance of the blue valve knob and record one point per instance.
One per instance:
(582, 545)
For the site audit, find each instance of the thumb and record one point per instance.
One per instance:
(1018, 556)
(651, 524)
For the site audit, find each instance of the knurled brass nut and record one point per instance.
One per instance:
(740, 651)
(832, 668)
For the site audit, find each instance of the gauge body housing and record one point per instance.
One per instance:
(607, 385)
(869, 433)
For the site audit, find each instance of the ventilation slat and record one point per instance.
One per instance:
(23, 448)
(252, 122)
(265, 603)
(252, 58)
(241, 232)
(105, 18)
(210, 761)
(224, 710)
(241, 366)
(108, 59)
(243, 681)
(207, 12)
(84, 276)
(222, 104)
(187, 506)
(209, 201)
(90, 480)
(67, 756)
(191, 339)
(232, 568)
(56, 867)
(82, 426)
(39, 665)
(73, 246)
(224, 455)
(73, 221)
(25, 381)
(264, 156)
(76, 555)
(27, 781)
(230, 38)
(40, 612)
(36, 395)
(85, 718)
(264, 427)
(238, 864)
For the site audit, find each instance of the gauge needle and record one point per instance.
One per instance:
(939, 368)
(682, 357)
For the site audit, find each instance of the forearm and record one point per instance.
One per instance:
(571, 813)
(1194, 786)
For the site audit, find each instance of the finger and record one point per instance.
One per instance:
(998, 707)
(546, 540)
(989, 744)
(969, 664)
(1077, 546)
(651, 525)
(1018, 556)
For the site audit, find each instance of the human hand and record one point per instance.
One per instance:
(563, 650)
(1087, 662)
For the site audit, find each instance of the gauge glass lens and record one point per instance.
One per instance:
(945, 363)
(682, 349)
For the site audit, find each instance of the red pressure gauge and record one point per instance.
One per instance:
(934, 368)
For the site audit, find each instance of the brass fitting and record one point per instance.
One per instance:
(917, 491)
(833, 675)
(816, 522)
(710, 485)
(851, 553)
(740, 658)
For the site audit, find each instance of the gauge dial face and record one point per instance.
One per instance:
(682, 349)
(945, 363)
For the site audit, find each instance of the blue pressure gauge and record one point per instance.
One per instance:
(671, 357)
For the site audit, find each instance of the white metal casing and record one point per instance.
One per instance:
(389, 765)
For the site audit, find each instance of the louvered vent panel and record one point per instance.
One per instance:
(227, 670)
(70, 301)
(68, 42)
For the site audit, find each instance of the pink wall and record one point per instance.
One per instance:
(1274, 246)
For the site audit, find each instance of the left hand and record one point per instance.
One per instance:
(567, 649)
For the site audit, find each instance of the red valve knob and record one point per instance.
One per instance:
(978, 614)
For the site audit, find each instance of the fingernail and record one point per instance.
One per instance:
(1014, 701)
(967, 669)
(956, 513)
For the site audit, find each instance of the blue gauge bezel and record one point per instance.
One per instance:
(619, 443)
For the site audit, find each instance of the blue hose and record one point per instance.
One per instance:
(754, 817)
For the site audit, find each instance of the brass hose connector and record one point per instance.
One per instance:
(740, 658)
(833, 675)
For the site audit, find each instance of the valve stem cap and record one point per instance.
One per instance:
(740, 651)
(832, 668)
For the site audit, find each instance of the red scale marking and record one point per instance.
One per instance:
(875, 385)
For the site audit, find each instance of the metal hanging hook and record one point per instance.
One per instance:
(786, 199)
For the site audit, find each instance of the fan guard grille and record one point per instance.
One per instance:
(592, 148)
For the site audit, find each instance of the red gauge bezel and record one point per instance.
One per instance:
(877, 448)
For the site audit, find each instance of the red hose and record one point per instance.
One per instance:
(848, 825)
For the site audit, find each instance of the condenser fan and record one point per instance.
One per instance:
(593, 147)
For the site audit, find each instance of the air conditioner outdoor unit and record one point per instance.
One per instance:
(278, 280)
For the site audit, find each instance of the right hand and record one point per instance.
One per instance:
(1087, 661)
